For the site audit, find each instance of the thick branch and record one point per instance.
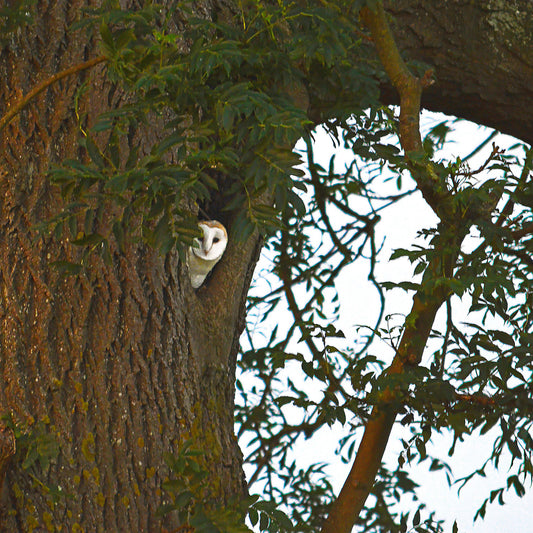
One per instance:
(358, 484)
(482, 56)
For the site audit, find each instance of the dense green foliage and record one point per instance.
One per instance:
(228, 95)
(476, 378)
(14, 15)
(223, 90)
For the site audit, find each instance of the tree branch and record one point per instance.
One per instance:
(346, 508)
(409, 88)
(358, 484)
(25, 100)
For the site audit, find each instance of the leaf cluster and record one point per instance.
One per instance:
(36, 448)
(224, 96)
(302, 376)
(14, 16)
(187, 487)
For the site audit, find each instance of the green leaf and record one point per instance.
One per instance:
(107, 38)
(94, 152)
(67, 267)
(503, 337)
(164, 509)
(420, 267)
(91, 239)
(297, 203)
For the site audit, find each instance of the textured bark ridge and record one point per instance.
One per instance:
(483, 57)
(114, 368)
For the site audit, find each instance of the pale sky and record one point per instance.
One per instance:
(359, 305)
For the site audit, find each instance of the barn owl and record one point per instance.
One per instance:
(206, 252)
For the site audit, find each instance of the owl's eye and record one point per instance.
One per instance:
(216, 239)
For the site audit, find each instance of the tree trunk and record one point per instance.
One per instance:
(482, 53)
(110, 370)
(107, 371)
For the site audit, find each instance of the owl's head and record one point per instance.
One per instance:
(212, 245)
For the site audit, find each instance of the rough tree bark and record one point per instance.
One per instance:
(482, 53)
(123, 364)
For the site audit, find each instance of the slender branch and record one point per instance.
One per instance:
(269, 445)
(449, 326)
(480, 146)
(285, 276)
(320, 193)
(409, 88)
(323, 259)
(505, 212)
(346, 508)
(495, 152)
(25, 100)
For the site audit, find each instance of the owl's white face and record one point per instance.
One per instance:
(214, 242)
(204, 255)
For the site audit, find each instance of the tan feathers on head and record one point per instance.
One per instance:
(207, 251)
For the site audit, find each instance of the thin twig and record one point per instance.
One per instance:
(449, 327)
(24, 101)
